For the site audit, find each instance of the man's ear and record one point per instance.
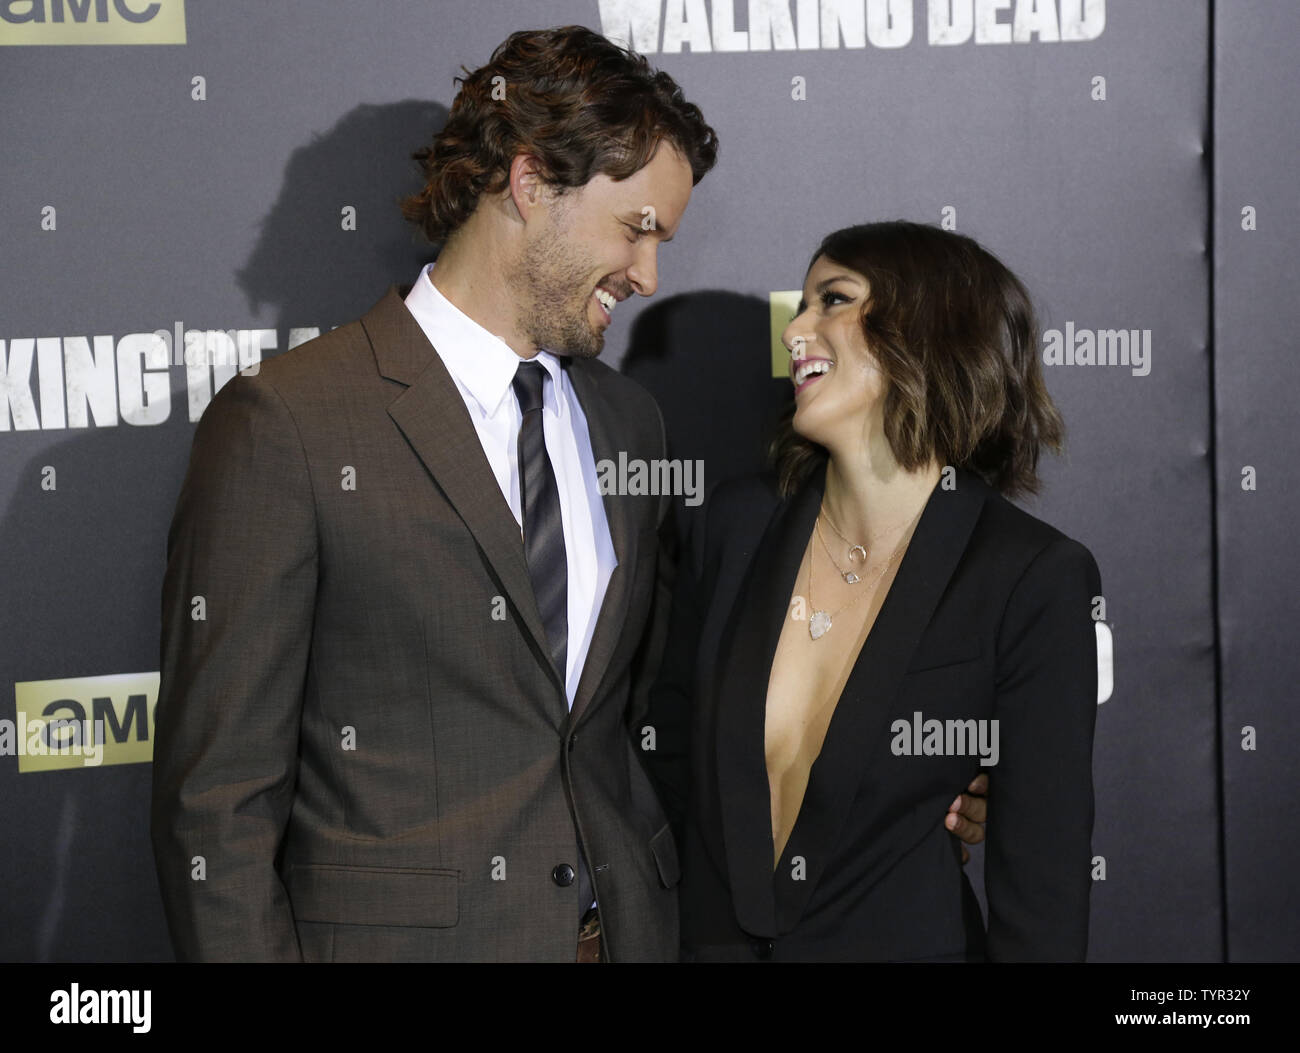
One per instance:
(528, 190)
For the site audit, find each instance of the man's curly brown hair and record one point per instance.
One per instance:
(577, 102)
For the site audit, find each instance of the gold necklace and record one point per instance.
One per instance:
(850, 577)
(852, 547)
(820, 622)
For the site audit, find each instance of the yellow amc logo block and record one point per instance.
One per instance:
(92, 22)
(81, 722)
(782, 307)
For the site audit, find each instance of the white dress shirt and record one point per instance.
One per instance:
(483, 367)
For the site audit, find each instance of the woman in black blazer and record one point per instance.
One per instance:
(857, 637)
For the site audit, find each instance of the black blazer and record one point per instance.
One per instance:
(989, 618)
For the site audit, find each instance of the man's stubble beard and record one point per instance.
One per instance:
(545, 280)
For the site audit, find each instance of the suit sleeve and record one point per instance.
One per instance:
(1038, 857)
(650, 652)
(237, 605)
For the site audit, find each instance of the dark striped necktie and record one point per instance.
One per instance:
(544, 545)
(543, 527)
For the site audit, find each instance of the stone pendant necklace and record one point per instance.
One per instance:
(821, 621)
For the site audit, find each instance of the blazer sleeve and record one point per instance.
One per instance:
(237, 606)
(670, 711)
(1038, 856)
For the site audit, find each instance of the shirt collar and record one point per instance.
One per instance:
(482, 362)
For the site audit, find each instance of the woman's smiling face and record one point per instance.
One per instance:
(839, 387)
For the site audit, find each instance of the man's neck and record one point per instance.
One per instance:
(469, 273)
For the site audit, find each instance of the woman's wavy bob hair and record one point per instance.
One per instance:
(954, 334)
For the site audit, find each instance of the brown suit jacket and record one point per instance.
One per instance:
(355, 760)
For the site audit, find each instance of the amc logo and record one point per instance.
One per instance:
(82, 722)
(92, 22)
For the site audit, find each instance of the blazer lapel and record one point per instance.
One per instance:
(603, 427)
(767, 904)
(862, 714)
(754, 629)
(432, 416)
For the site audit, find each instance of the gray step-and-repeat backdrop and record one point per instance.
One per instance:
(223, 177)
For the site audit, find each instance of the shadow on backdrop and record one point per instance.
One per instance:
(312, 270)
(704, 356)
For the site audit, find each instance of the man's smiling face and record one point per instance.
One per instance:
(593, 246)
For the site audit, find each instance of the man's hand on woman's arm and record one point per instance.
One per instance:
(967, 813)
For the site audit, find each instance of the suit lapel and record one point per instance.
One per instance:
(603, 427)
(770, 905)
(432, 416)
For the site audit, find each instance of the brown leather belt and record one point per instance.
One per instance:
(589, 937)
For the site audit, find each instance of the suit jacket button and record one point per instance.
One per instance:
(762, 949)
(563, 875)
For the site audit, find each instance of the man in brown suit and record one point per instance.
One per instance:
(384, 732)
(406, 636)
